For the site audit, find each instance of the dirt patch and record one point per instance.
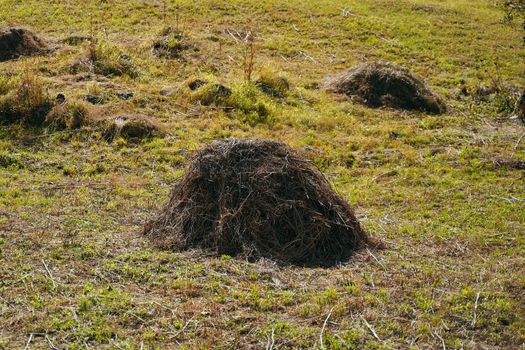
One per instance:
(18, 42)
(258, 198)
(383, 84)
(133, 128)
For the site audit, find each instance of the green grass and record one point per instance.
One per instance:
(75, 272)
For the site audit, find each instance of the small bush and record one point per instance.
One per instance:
(498, 94)
(515, 11)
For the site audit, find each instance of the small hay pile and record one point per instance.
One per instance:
(257, 198)
(17, 42)
(383, 84)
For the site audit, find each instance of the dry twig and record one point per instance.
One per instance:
(323, 328)
(49, 273)
(369, 326)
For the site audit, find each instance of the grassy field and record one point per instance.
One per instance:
(443, 192)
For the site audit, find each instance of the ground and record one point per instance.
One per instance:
(446, 193)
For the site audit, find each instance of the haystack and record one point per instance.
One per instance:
(383, 84)
(257, 198)
(17, 42)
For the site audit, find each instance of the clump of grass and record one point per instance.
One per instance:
(10, 160)
(212, 94)
(498, 94)
(381, 83)
(24, 100)
(273, 182)
(105, 59)
(68, 115)
(5, 85)
(273, 84)
(249, 105)
(244, 100)
(96, 95)
(170, 43)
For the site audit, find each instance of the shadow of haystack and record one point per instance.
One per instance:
(379, 84)
(17, 42)
(258, 198)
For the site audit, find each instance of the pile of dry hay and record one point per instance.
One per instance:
(16, 42)
(383, 84)
(258, 198)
